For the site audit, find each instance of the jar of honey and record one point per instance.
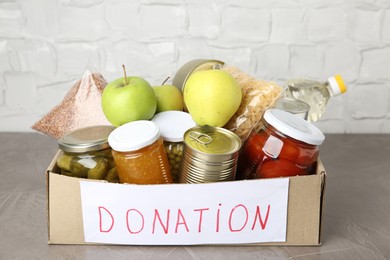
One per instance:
(284, 145)
(139, 155)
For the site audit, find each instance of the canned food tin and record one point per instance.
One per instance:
(185, 71)
(210, 155)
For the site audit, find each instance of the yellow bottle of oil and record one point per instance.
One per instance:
(315, 93)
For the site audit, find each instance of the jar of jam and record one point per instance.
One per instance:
(173, 124)
(139, 154)
(87, 154)
(284, 146)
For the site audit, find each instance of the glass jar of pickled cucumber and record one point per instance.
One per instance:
(87, 154)
(138, 151)
(173, 124)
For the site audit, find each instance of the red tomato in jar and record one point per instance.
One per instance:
(250, 157)
(279, 168)
(298, 153)
(254, 148)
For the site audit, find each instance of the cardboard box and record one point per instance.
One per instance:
(304, 209)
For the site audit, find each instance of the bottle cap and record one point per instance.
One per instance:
(294, 127)
(134, 136)
(173, 124)
(337, 84)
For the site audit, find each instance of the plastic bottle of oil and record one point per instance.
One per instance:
(315, 93)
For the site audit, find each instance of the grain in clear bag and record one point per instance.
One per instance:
(257, 96)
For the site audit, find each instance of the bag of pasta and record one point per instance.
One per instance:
(257, 96)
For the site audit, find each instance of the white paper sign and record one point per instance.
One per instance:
(184, 214)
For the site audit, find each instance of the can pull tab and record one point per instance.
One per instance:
(201, 137)
(217, 66)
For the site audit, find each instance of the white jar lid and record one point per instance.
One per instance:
(133, 136)
(173, 124)
(294, 126)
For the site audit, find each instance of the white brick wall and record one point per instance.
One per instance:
(46, 45)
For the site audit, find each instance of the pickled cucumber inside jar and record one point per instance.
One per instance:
(85, 165)
(112, 175)
(64, 162)
(86, 153)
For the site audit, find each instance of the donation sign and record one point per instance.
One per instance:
(252, 211)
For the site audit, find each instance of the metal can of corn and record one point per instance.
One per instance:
(210, 155)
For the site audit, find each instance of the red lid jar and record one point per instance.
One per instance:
(284, 146)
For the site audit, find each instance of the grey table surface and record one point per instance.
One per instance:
(356, 223)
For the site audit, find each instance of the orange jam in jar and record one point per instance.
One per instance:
(139, 154)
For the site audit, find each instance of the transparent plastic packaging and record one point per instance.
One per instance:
(315, 93)
(81, 107)
(257, 96)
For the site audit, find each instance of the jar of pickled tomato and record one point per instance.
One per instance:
(139, 154)
(284, 146)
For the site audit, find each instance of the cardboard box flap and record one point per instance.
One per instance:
(305, 208)
(65, 223)
(321, 171)
(65, 217)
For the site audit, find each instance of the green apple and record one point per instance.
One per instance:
(128, 99)
(168, 97)
(212, 97)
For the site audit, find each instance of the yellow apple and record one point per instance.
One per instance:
(168, 97)
(212, 97)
